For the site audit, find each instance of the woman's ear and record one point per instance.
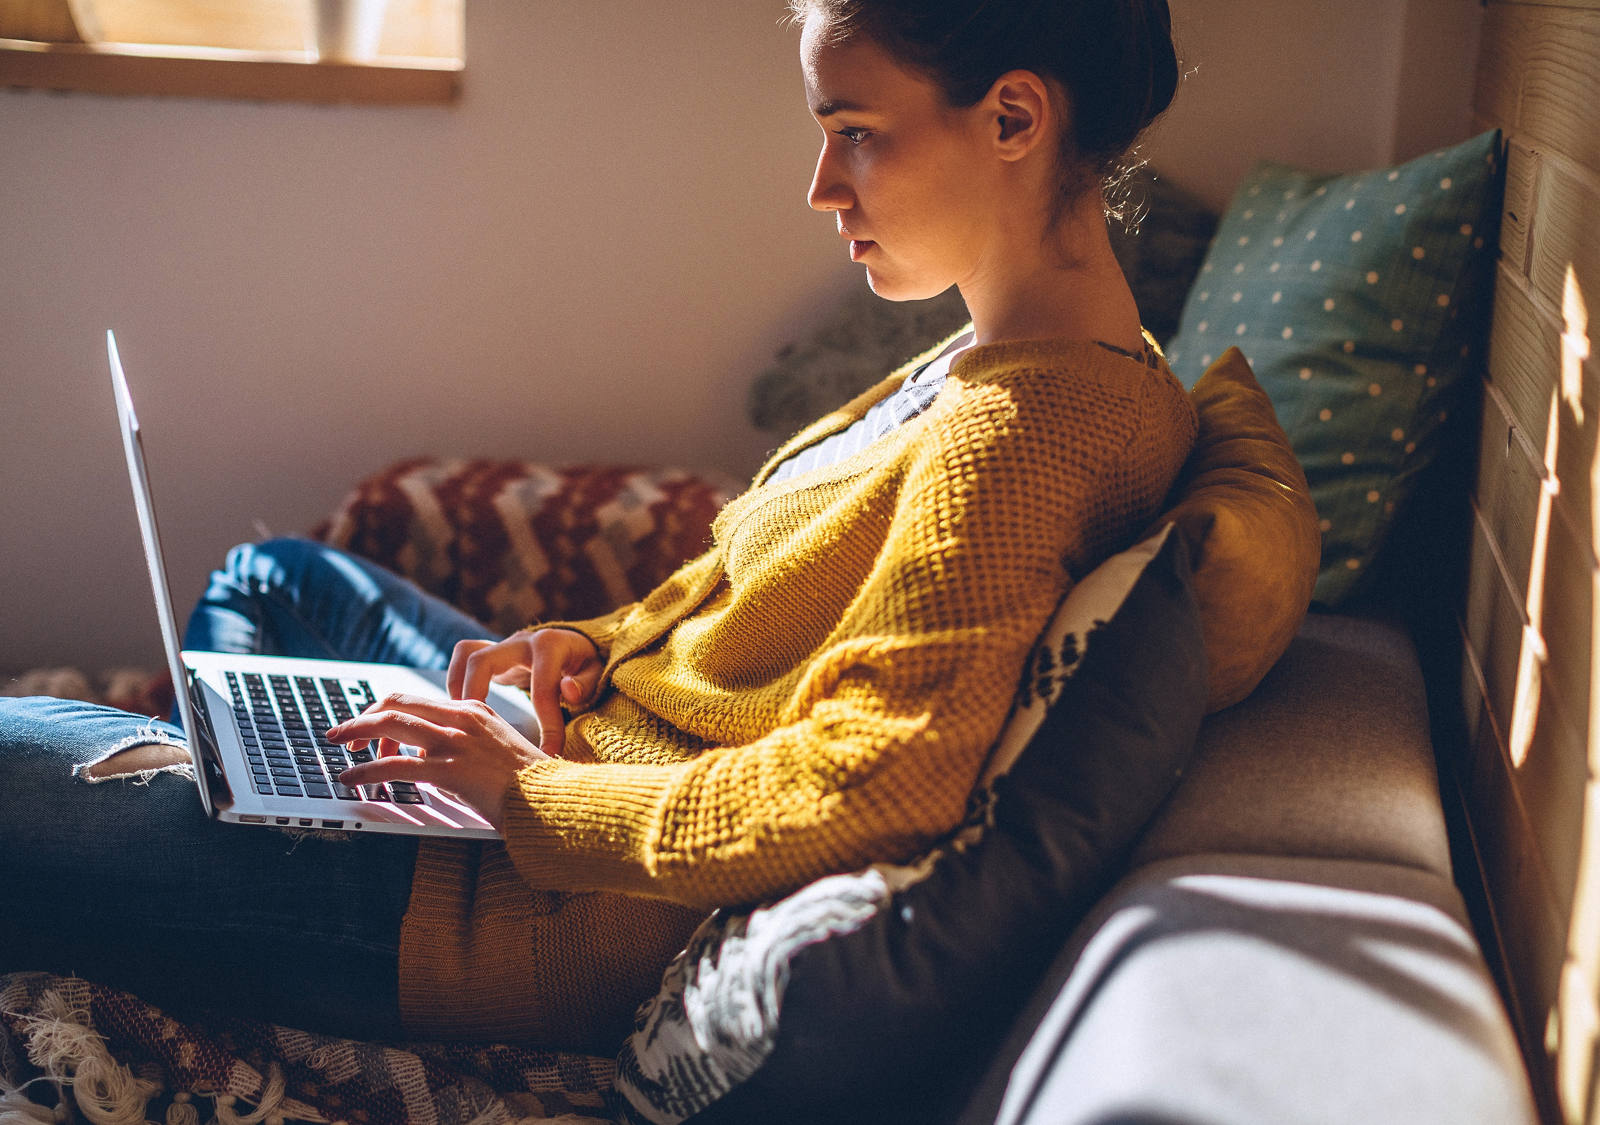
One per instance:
(1022, 113)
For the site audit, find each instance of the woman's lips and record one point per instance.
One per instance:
(858, 248)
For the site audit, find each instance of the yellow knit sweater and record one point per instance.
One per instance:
(816, 692)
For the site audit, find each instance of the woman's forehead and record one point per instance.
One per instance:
(853, 74)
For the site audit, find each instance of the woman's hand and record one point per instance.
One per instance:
(465, 748)
(555, 666)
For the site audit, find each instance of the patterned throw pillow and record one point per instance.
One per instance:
(512, 542)
(1360, 301)
(881, 994)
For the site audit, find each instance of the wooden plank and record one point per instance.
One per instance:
(1498, 898)
(1594, 4)
(1526, 368)
(1530, 1038)
(1566, 236)
(1540, 75)
(1524, 357)
(1531, 928)
(206, 73)
(1507, 490)
(1549, 770)
(1516, 215)
(1578, 1028)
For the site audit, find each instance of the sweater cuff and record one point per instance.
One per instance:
(576, 826)
(601, 631)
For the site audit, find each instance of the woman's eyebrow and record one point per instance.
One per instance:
(833, 105)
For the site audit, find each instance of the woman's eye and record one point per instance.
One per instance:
(854, 136)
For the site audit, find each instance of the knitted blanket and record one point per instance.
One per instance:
(71, 1049)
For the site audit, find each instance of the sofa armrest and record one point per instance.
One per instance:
(1266, 989)
(1288, 945)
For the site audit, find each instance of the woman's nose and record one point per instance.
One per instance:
(829, 191)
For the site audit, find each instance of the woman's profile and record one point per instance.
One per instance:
(816, 692)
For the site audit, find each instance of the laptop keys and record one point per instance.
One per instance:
(281, 721)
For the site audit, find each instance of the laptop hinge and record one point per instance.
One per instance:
(210, 757)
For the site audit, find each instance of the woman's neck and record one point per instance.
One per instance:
(1066, 285)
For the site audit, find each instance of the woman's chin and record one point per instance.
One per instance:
(900, 289)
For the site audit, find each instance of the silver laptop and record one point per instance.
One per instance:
(256, 723)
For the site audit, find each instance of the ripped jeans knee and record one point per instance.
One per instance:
(137, 762)
(44, 739)
(138, 755)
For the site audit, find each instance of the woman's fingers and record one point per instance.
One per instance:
(483, 666)
(552, 722)
(555, 666)
(458, 664)
(465, 747)
(578, 686)
(401, 767)
(411, 720)
(474, 663)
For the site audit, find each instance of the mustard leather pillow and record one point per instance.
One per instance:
(1242, 499)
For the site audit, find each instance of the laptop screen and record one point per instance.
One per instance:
(139, 478)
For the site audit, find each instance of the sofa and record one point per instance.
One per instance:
(1284, 942)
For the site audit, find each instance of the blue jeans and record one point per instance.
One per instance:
(127, 882)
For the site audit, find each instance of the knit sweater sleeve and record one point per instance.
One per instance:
(680, 589)
(1011, 489)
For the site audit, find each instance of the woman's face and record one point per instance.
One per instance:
(907, 177)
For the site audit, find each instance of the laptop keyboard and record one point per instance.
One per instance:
(282, 720)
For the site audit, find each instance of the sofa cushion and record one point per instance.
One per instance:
(882, 991)
(1361, 301)
(1330, 757)
(1243, 500)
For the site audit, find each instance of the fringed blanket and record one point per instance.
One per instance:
(71, 1050)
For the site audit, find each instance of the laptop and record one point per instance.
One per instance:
(255, 724)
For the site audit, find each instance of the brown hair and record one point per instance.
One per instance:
(1115, 59)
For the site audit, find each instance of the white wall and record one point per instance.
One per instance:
(587, 258)
(1354, 84)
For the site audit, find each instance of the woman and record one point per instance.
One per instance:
(816, 692)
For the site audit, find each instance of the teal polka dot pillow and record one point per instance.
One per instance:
(1361, 301)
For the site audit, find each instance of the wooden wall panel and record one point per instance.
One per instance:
(1567, 235)
(1526, 366)
(1509, 479)
(1537, 76)
(1522, 178)
(1531, 939)
(1528, 772)
(1548, 764)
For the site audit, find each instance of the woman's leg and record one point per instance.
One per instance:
(295, 597)
(127, 882)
